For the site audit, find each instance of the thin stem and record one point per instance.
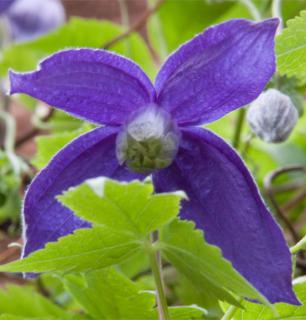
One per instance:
(157, 274)
(135, 27)
(252, 9)
(159, 32)
(10, 129)
(125, 21)
(230, 312)
(241, 115)
(238, 128)
(277, 12)
(268, 185)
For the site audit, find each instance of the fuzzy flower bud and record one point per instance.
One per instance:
(272, 116)
(29, 19)
(148, 141)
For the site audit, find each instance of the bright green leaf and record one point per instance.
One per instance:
(123, 218)
(107, 294)
(128, 207)
(291, 48)
(202, 263)
(24, 302)
(286, 312)
(86, 249)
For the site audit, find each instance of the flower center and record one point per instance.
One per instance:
(148, 141)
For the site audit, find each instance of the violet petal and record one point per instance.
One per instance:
(94, 85)
(90, 155)
(5, 4)
(218, 71)
(224, 201)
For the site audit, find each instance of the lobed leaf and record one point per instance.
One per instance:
(291, 48)
(128, 207)
(285, 311)
(202, 263)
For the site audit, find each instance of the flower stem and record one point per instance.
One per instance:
(230, 312)
(238, 128)
(157, 274)
(252, 9)
(277, 12)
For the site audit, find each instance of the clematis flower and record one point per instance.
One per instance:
(28, 19)
(153, 130)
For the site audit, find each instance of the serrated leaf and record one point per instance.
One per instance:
(76, 33)
(123, 218)
(107, 294)
(291, 48)
(200, 262)
(86, 249)
(129, 207)
(285, 311)
(24, 302)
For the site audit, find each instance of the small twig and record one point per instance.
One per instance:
(298, 197)
(290, 186)
(136, 26)
(35, 131)
(268, 185)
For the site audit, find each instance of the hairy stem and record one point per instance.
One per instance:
(155, 261)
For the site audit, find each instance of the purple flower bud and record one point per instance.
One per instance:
(148, 141)
(31, 18)
(272, 116)
(5, 4)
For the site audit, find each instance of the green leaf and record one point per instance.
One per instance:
(128, 207)
(291, 48)
(187, 313)
(76, 33)
(107, 294)
(202, 263)
(48, 146)
(286, 312)
(190, 294)
(86, 249)
(123, 218)
(23, 301)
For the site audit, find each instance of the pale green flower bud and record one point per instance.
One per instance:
(148, 141)
(272, 116)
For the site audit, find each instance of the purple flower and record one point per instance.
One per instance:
(5, 4)
(152, 130)
(28, 19)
